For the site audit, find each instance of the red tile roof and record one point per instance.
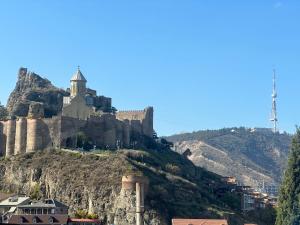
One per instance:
(42, 219)
(84, 220)
(198, 222)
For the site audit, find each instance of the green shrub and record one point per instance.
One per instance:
(83, 214)
(93, 216)
(35, 192)
(84, 142)
(174, 169)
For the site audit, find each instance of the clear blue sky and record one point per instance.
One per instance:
(201, 64)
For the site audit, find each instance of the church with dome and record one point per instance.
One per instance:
(83, 102)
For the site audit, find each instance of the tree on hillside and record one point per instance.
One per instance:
(289, 199)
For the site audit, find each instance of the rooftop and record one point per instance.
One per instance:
(78, 76)
(39, 219)
(14, 201)
(84, 220)
(198, 222)
(48, 203)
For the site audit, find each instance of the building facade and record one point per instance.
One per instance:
(45, 212)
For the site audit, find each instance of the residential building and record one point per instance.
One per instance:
(9, 206)
(45, 212)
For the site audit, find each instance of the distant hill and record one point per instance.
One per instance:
(252, 155)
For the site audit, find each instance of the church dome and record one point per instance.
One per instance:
(78, 76)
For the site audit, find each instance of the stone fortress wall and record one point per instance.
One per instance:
(140, 121)
(2, 138)
(104, 131)
(103, 128)
(21, 136)
(25, 135)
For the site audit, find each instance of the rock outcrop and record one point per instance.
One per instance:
(31, 88)
(82, 182)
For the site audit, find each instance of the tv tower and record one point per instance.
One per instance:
(274, 118)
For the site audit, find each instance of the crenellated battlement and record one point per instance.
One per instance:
(131, 111)
(134, 114)
(136, 111)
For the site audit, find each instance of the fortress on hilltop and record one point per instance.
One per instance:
(34, 123)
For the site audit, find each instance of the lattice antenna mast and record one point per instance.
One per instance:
(274, 118)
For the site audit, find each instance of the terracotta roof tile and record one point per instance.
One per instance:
(84, 220)
(198, 222)
(42, 219)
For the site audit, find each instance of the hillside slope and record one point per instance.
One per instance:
(252, 155)
(93, 182)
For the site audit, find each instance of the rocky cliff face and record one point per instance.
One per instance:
(30, 87)
(93, 182)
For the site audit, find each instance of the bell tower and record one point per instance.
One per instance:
(78, 84)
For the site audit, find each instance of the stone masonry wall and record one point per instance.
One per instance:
(141, 121)
(10, 139)
(35, 133)
(29, 135)
(2, 138)
(21, 136)
(69, 128)
(107, 131)
(77, 109)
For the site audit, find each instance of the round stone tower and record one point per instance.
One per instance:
(2, 145)
(36, 110)
(34, 127)
(78, 84)
(35, 139)
(21, 136)
(10, 139)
